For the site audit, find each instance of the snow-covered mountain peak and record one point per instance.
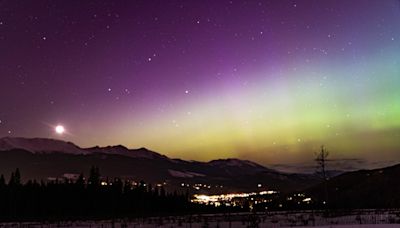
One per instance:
(233, 162)
(39, 145)
(119, 149)
(122, 150)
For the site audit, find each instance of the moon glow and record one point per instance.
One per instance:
(59, 129)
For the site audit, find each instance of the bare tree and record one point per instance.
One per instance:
(321, 159)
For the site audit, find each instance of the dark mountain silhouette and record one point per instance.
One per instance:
(43, 158)
(377, 188)
(39, 145)
(121, 150)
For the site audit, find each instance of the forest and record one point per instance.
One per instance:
(89, 198)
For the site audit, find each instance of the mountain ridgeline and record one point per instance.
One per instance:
(49, 159)
(376, 188)
(43, 159)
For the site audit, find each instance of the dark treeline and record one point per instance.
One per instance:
(88, 199)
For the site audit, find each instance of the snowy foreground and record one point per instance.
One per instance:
(343, 219)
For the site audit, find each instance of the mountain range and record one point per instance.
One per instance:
(42, 159)
(375, 188)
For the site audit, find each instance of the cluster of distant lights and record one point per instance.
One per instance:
(73, 177)
(229, 199)
(303, 196)
(199, 186)
(133, 183)
(218, 199)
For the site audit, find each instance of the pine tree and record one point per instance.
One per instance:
(94, 176)
(12, 179)
(17, 177)
(2, 181)
(80, 181)
(321, 159)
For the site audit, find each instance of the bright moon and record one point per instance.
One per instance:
(60, 129)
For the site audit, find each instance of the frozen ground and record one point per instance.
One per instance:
(360, 226)
(342, 219)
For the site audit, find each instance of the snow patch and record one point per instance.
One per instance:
(121, 150)
(184, 174)
(40, 145)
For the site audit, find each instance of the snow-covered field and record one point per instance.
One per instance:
(353, 219)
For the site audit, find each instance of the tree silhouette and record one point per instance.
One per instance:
(15, 178)
(321, 159)
(94, 176)
(2, 181)
(66, 199)
(80, 181)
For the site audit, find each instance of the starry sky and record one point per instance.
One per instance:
(268, 81)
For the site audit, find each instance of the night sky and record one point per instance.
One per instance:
(268, 81)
